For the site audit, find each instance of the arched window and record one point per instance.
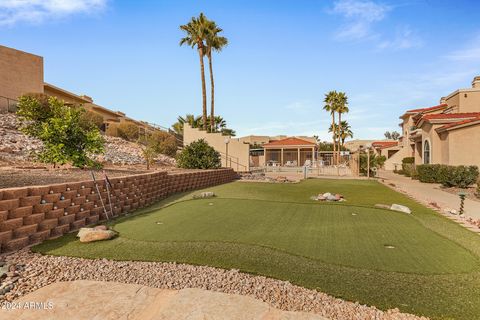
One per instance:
(426, 152)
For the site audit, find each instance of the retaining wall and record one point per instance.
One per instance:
(31, 215)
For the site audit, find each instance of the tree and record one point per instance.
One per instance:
(93, 117)
(214, 42)
(331, 105)
(66, 136)
(199, 155)
(345, 132)
(163, 142)
(228, 132)
(196, 33)
(394, 135)
(342, 107)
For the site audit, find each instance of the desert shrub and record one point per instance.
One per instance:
(128, 131)
(376, 162)
(112, 130)
(477, 193)
(66, 138)
(164, 143)
(91, 117)
(198, 155)
(448, 176)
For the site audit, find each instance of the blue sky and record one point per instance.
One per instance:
(283, 57)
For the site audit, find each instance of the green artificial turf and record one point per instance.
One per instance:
(342, 249)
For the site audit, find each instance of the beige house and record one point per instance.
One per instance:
(22, 72)
(448, 133)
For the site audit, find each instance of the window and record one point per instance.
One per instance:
(426, 152)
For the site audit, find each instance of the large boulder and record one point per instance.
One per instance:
(400, 208)
(91, 234)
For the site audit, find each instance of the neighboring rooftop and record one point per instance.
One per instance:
(293, 141)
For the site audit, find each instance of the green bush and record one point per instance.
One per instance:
(66, 137)
(198, 155)
(408, 167)
(128, 131)
(448, 176)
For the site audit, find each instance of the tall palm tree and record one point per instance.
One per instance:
(196, 33)
(345, 132)
(331, 106)
(214, 42)
(342, 108)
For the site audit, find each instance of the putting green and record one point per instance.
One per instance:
(342, 249)
(346, 235)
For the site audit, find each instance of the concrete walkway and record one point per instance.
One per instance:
(430, 192)
(110, 300)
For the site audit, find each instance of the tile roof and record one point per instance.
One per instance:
(384, 144)
(289, 142)
(451, 116)
(459, 123)
(440, 106)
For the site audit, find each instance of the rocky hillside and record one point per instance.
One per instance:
(17, 147)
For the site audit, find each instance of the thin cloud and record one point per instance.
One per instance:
(471, 52)
(38, 11)
(404, 38)
(360, 17)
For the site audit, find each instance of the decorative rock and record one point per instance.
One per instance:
(100, 227)
(204, 195)
(382, 206)
(400, 208)
(96, 235)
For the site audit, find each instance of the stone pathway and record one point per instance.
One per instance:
(84, 299)
(428, 193)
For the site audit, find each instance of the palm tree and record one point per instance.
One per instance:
(214, 42)
(342, 108)
(345, 132)
(196, 33)
(193, 121)
(331, 106)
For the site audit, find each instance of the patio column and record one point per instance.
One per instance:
(264, 157)
(313, 155)
(281, 157)
(298, 156)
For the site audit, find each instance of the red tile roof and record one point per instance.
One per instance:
(384, 144)
(440, 106)
(289, 142)
(459, 123)
(451, 116)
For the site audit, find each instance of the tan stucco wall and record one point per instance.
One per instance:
(20, 73)
(236, 149)
(466, 100)
(429, 133)
(444, 146)
(63, 96)
(464, 146)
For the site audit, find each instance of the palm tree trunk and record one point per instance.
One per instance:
(204, 89)
(339, 124)
(334, 137)
(212, 95)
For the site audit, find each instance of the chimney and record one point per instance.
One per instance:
(443, 100)
(476, 82)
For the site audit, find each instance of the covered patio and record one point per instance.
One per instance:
(290, 152)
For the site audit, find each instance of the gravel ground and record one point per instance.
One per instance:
(35, 271)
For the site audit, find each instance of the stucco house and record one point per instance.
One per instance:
(448, 133)
(22, 72)
(289, 152)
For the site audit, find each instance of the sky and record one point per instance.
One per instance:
(282, 57)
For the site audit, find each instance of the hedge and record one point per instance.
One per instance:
(408, 167)
(448, 176)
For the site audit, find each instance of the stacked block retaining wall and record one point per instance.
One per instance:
(31, 215)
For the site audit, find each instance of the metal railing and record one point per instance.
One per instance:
(8, 105)
(231, 162)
